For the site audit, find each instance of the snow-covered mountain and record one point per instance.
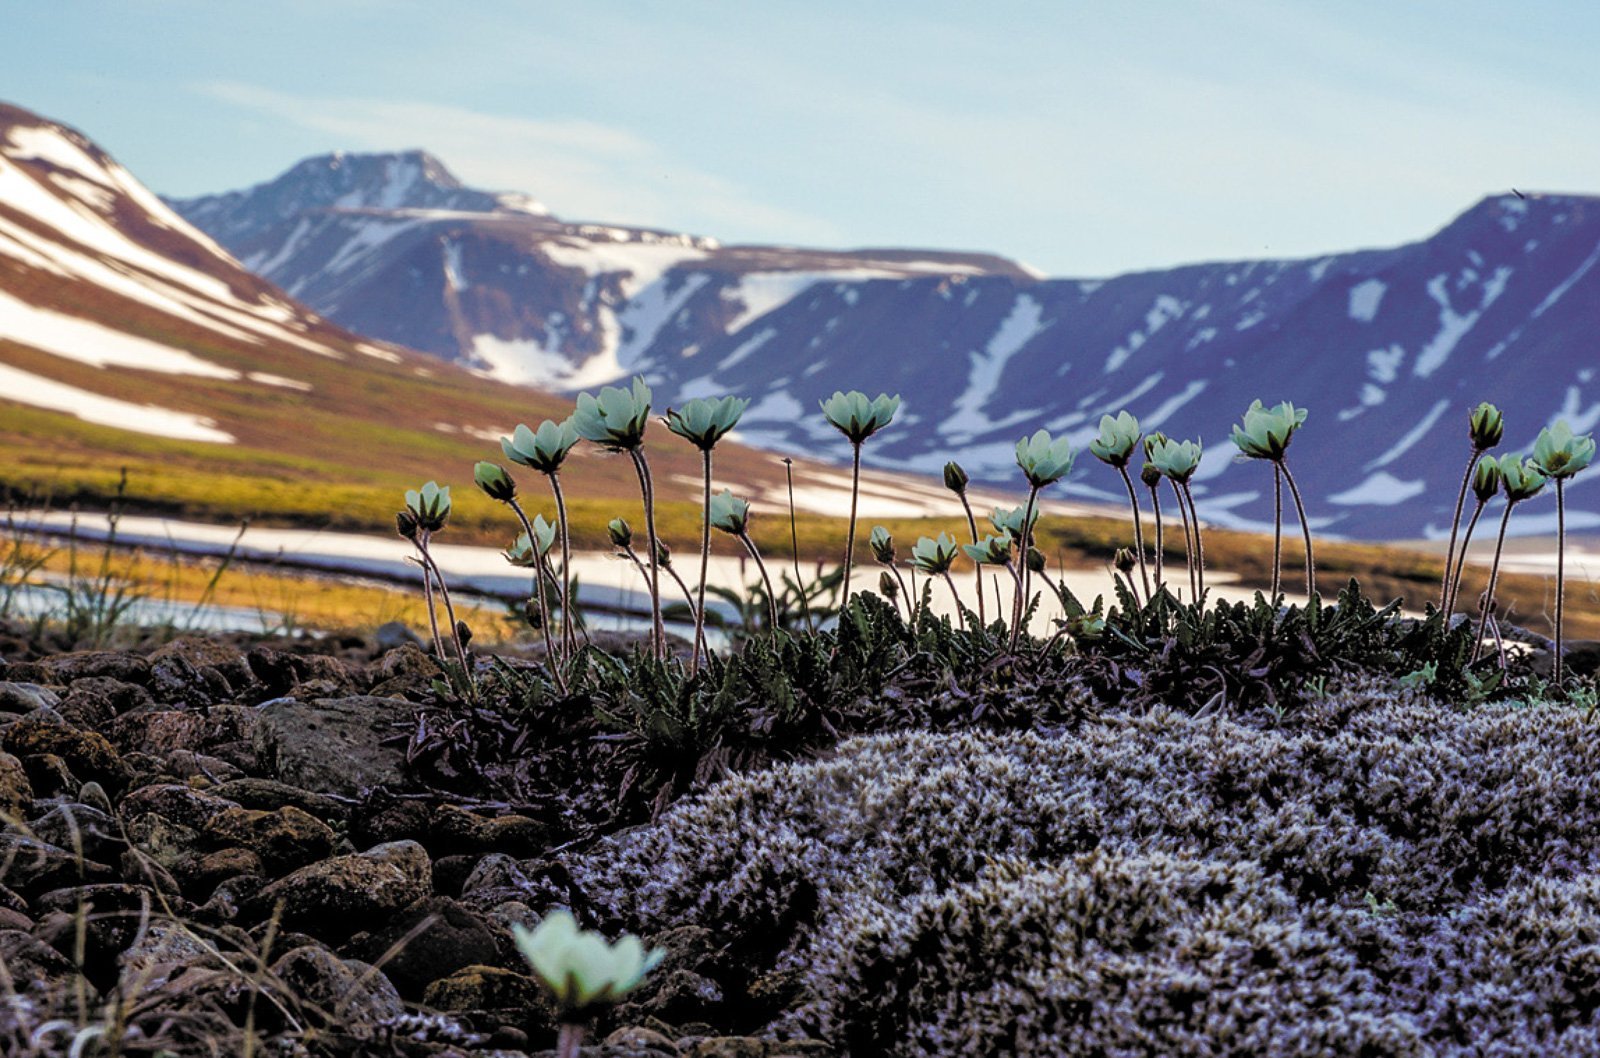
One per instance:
(1389, 349)
(130, 339)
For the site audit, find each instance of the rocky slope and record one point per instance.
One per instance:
(1389, 348)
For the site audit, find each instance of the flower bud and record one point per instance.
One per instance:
(1486, 480)
(1123, 560)
(1486, 427)
(1035, 560)
(1150, 474)
(405, 523)
(955, 479)
(463, 633)
(887, 585)
(882, 545)
(621, 534)
(663, 554)
(495, 481)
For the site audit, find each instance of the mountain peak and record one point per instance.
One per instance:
(352, 181)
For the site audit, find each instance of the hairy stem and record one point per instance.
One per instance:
(705, 563)
(1277, 531)
(772, 600)
(1445, 592)
(539, 571)
(450, 613)
(794, 546)
(1161, 543)
(569, 1040)
(850, 538)
(1461, 561)
(1138, 531)
(1305, 530)
(960, 612)
(1199, 544)
(427, 598)
(977, 567)
(1188, 540)
(1494, 578)
(658, 637)
(569, 605)
(1561, 567)
(1019, 606)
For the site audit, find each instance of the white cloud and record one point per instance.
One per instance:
(582, 170)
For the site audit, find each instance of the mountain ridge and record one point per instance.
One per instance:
(1387, 345)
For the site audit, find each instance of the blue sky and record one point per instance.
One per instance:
(1083, 138)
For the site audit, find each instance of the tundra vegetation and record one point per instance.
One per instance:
(1161, 823)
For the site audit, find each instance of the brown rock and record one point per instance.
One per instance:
(179, 803)
(441, 936)
(455, 829)
(352, 993)
(346, 893)
(32, 965)
(16, 792)
(158, 731)
(283, 839)
(88, 754)
(336, 745)
(490, 988)
(204, 873)
(270, 794)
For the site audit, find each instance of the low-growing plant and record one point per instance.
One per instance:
(1119, 439)
(1485, 428)
(1265, 433)
(858, 418)
(1559, 455)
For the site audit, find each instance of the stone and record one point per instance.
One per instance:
(158, 731)
(81, 830)
(341, 895)
(491, 988)
(64, 669)
(335, 745)
(94, 700)
(179, 803)
(270, 795)
(26, 697)
(33, 966)
(351, 992)
(441, 936)
(393, 635)
(88, 754)
(454, 829)
(163, 950)
(34, 866)
(283, 839)
(16, 792)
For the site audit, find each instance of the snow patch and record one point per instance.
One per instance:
(26, 388)
(1380, 490)
(1364, 299)
(984, 368)
(748, 346)
(91, 343)
(1566, 284)
(1411, 437)
(1453, 325)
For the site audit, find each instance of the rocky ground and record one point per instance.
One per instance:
(215, 837)
(214, 832)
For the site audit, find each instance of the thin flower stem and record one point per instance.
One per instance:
(556, 658)
(961, 614)
(1138, 531)
(569, 605)
(1199, 544)
(1161, 543)
(658, 638)
(772, 600)
(539, 571)
(1277, 530)
(688, 598)
(850, 539)
(1445, 592)
(450, 613)
(427, 598)
(794, 546)
(1461, 561)
(1188, 540)
(1494, 578)
(1561, 567)
(705, 563)
(1305, 530)
(569, 1040)
(911, 613)
(972, 523)
(1019, 606)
